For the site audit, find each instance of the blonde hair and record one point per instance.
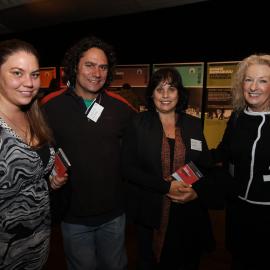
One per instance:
(238, 100)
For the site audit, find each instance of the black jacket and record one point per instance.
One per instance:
(142, 165)
(245, 150)
(94, 185)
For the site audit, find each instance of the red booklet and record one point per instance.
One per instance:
(188, 173)
(61, 163)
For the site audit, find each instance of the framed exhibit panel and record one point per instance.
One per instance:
(219, 74)
(134, 75)
(219, 99)
(46, 75)
(219, 79)
(192, 76)
(130, 81)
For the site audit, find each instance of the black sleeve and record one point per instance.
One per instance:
(222, 152)
(218, 185)
(133, 170)
(214, 187)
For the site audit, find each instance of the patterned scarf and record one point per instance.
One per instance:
(179, 159)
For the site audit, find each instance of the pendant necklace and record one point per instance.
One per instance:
(17, 128)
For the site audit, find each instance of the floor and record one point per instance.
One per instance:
(218, 260)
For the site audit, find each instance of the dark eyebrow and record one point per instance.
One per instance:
(95, 64)
(90, 62)
(21, 69)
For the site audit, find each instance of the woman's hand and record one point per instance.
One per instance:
(58, 181)
(176, 187)
(180, 192)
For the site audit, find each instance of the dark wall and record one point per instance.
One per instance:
(206, 31)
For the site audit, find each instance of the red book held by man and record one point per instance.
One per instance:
(61, 163)
(188, 173)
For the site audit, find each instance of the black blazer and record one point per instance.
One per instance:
(142, 165)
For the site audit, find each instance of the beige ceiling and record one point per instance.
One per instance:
(20, 15)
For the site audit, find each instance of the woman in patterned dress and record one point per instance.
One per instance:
(26, 159)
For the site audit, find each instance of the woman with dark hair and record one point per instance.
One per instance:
(173, 225)
(26, 160)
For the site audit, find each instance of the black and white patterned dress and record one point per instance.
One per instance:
(24, 202)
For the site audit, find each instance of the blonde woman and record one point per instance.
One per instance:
(245, 149)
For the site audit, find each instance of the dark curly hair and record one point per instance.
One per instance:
(172, 76)
(75, 53)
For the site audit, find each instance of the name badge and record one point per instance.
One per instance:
(196, 145)
(266, 178)
(95, 112)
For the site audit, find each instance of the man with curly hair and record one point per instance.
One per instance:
(88, 123)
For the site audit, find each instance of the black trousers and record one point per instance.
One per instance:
(180, 250)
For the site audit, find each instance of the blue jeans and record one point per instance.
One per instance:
(95, 247)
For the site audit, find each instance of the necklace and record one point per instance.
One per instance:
(23, 133)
